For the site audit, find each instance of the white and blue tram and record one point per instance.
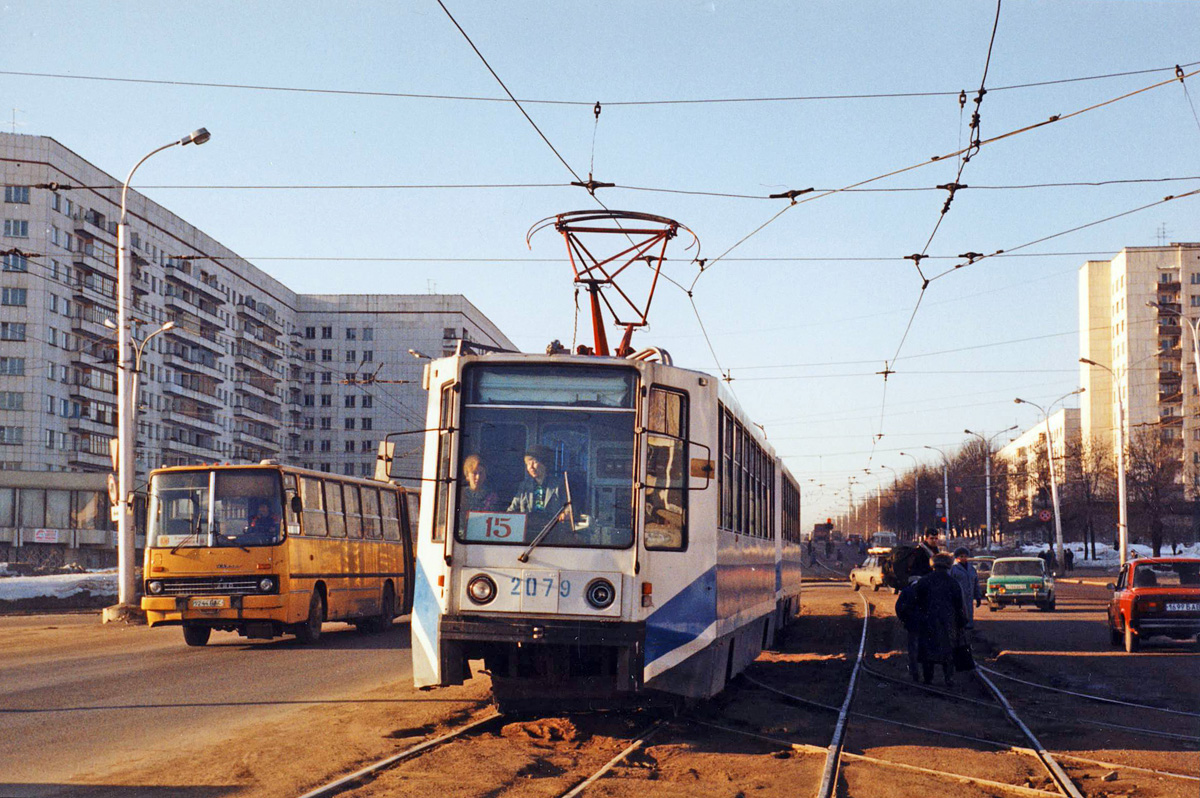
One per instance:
(659, 552)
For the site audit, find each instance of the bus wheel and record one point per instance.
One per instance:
(387, 611)
(310, 630)
(196, 635)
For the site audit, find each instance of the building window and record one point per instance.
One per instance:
(14, 262)
(11, 436)
(16, 228)
(12, 331)
(19, 194)
(309, 400)
(367, 422)
(326, 446)
(348, 401)
(351, 333)
(310, 333)
(327, 378)
(310, 355)
(1194, 300)
(12, 400)
(326, 422)
(13, 296)
(368, 356)
(326, 333)
(368, 401)
(12, 366)
(367, 446)
(326, 400)
(349, 446)
(349, 423)
(368, 334)
(326, 355)
(352, 356)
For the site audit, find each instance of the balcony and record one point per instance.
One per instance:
(90, 224)
(209, 368)
(252, 310)
(92, 393)
(90, 461)
(93, 292)
(197, 421)
(205, 453)
(1170, 397)
(196, 335)
(257, 386)
(1171, 285)
(202, 312)
(189, 278)
(92, 426)
(204, 398)
(90, 322)
(87, 361)
(263, 415)
(1172, 309)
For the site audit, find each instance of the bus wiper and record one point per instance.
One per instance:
(563, 511)
(194, 533)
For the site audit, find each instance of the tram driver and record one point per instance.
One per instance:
(540, 495)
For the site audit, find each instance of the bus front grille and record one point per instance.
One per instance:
(211, 586)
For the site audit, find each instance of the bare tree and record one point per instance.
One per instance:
(1089, 490)
(1152, 470)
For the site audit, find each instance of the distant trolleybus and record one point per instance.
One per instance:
(266, 549)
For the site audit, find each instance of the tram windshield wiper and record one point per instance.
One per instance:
(563, 512)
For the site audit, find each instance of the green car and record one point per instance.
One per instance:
(1020, 581)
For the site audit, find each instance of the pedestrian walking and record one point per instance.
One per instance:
(906, 611)
(967, 579)
(1068, 560)
(940, 608)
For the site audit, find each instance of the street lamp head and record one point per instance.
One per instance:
(168, 326)
(968, 432)
(419, 355)
(196, 137)
(110, 324)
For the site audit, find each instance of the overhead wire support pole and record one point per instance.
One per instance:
(987, 463)
(1122, 492)
(1058, 533)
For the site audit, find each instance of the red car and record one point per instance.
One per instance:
(1155, 596)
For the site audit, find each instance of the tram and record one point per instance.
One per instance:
(596, 529)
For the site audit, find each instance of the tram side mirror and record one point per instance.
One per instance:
(297, 505)
(1111, 586)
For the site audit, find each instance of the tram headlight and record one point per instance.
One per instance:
(266, 584)
(154, 587)
(600, 593)
(481, 589)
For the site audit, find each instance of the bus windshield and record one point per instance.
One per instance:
(244, 507)
(532, 436)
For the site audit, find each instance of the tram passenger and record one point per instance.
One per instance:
(940, 607)
(539, 495)
(477, 496)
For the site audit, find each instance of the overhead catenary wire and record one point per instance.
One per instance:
(583, 103)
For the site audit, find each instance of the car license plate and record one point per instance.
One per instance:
(220, 603)
(1183, 606)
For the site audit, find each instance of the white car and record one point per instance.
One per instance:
(869, 574)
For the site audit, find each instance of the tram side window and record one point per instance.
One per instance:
(314, 506)
(391, 520)
(353, 511)
(333, 508)
(442, 492)
(370, 513)
(666, 471)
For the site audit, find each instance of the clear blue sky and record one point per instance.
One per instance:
(802, 338)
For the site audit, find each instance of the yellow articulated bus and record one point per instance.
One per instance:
(266, 549)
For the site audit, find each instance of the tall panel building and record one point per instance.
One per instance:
(249, 370)
(1132, 319)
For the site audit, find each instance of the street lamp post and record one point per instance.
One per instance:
(125, 426)
(1058, 536)
(916, 495)
(987, 468)
(895, 488)
(945, 487)
(1122, 494)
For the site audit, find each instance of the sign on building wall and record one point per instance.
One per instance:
(45, 536)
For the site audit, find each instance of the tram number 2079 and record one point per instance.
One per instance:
(533, 586)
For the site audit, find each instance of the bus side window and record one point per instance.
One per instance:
(333, 505)
(391, 522)
(370, 513)
(314, 507)
(353, 511)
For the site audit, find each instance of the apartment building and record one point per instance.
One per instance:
(249, 369)
(1027, 467)
(1133, 313)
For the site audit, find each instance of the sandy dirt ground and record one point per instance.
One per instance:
(746, 742)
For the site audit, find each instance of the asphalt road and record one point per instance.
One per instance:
(78, 697)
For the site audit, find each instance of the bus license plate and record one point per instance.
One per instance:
(1183, 606)
(221, 603)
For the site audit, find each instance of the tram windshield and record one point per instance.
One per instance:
(547, 447)
(244, 507)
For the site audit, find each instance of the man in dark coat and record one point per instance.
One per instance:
(906, 611)
(940, 607)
